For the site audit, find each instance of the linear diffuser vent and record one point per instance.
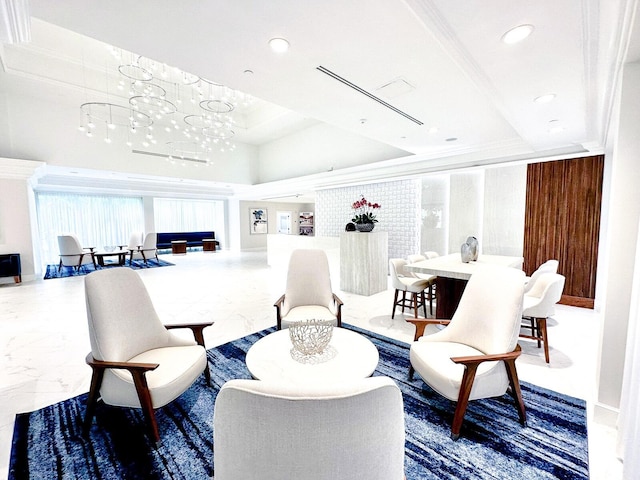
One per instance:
(164, 155)
(346, 82)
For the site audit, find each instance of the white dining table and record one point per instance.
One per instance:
(452, 276)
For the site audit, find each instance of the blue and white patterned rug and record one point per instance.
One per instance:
(52, 270)
(48, 443)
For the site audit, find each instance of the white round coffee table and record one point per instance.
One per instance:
(354, 357)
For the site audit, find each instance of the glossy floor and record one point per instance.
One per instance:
(43, 334)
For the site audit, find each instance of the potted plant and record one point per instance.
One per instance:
(364, 218)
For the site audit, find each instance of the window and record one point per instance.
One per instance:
(187, 215)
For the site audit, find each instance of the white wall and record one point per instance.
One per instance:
(250, 241)
(399, 215)
(622, 226)
(466, 203)
(316, 150)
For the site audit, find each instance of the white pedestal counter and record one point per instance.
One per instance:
(363, 262)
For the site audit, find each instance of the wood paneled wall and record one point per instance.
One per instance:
(562, 221)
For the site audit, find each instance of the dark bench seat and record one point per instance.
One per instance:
(193, 239)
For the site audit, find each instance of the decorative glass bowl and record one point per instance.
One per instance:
(109, 248)
(310, 339)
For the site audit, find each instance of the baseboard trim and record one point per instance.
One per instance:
(577, 301)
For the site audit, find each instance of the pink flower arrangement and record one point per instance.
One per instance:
(364, 211)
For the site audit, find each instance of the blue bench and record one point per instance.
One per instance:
(193, 239)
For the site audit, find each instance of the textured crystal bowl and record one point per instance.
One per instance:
(311, 337)
(109, 248)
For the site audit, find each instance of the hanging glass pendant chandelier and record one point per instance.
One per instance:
(151, 105)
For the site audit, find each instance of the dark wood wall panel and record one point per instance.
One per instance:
(562, 221)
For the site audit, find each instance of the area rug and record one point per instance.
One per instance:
(48, 444)
(52, 270)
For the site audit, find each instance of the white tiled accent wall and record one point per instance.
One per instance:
(399, 215)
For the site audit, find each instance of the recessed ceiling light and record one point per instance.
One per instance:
(279, 45)
(433, 130)
(248, 72)
(517, 34)
(545, 98)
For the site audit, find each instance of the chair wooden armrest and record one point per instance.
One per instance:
(421, 324)
(131, 366)
(278, 306)
(478, 359)
(91, 249)
(338, 304)
(196, 328)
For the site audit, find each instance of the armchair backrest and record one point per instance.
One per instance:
(353, 431)
(150, 241)
(431, 254)
(490, 311)
(69, 245)
(121, 316)
(543, 295)
(135, 240)
(308, 279)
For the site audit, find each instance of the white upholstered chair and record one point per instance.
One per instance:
(136, 361)
(425, 276)
(550, 266)
(539, 304)
(72, 254)
(308, 293)
(145, 250)
(274, 431)
(474, 355)
(431, 254)
(403, 282)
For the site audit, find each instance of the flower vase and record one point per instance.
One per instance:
(364, 227)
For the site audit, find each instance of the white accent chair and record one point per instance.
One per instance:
(550, 266)
(275, 431)
(72, 254)
(308, 293)
(136, 361)
(539, 304)
(403, 282)
(474, 355)
(425, 276)
(145, 251)
(431, 254)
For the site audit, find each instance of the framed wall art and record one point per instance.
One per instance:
(258, 221)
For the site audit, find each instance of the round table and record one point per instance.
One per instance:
(354, 357)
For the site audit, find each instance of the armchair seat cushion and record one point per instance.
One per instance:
(308, 312)
(432, 360)
(179, 368)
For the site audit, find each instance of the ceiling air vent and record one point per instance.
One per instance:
(346, 82)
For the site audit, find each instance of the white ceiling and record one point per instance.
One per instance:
(464, 83)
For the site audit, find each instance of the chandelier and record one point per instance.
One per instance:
(152, 106)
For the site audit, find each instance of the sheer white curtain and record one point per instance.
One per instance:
(629, 416)
(96, 220)
(187, 215)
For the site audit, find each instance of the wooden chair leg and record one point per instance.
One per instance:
(424, 304)
(542, 325)
(144, 396)
(395, 304)
(92, 399)
(411, 371)
(516, 393)
(463, 399)
(404, 300)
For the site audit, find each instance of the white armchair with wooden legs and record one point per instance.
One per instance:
(136, 361)
(308, 293)
(72, 254)
(274, 431)
(474, 356)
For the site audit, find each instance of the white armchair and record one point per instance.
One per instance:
(404, 282)
(274, 431)
(72, 254)
(474, 355)
(145, 251)
(136, 361)
(539, 304)
(308, 293)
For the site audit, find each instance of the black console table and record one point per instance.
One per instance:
(10, 266)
